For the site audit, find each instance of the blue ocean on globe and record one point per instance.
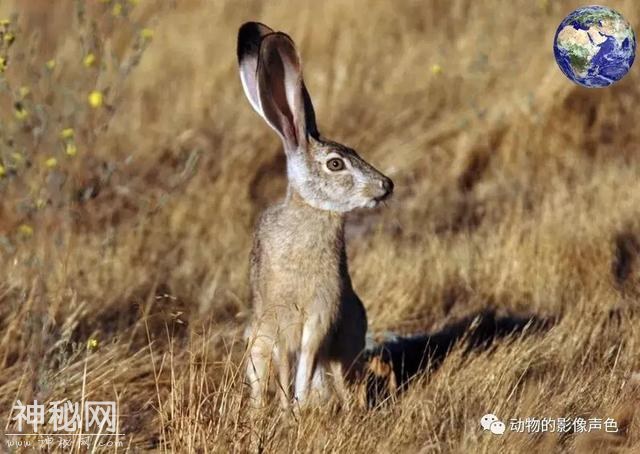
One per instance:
(594, 46)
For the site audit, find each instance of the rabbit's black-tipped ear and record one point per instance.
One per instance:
(283, 97)
(249, 37)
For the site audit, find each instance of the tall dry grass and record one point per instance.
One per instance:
(516, 191)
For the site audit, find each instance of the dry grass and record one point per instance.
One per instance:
(516, 191)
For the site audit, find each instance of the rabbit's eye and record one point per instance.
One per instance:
(335, 164)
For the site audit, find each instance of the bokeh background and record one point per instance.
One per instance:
(133, 168)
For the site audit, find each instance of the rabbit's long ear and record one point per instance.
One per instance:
(249, 37)
(283, 97)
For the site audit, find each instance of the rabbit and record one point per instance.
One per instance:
(305, 308)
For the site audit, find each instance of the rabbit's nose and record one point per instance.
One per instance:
(387, 185)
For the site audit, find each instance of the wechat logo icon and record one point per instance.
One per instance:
(491, 423)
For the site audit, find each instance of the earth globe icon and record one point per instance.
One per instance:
(594, 46)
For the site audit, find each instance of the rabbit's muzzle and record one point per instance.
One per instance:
(387, 187)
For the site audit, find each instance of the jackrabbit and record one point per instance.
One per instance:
(305, 309)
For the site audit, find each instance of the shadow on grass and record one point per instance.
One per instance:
(392, 364)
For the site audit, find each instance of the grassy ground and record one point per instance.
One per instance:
(125, 244)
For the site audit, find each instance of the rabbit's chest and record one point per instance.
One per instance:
(304, 259)
(302, 262)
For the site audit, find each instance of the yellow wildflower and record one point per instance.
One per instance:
(24, 91)
(92, 343)
(40, 203)
(9, 38)
(17, 157)
(71, 149)
(21, 113)
(5, 22)
(436, 69)
(51, 162)
(3, 64)
(146, 33)
(3, 171)
(66, 133)
(117, 9)
(95, 99)
(50, 64)
(89, 60)
(25, 230)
